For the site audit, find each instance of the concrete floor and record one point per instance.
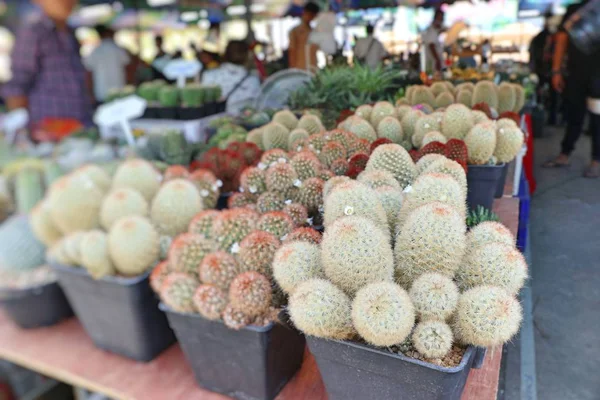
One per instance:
(565, 284)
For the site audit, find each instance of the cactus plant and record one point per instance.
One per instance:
(177, 292)
(311, 124)
(218, 269)
(444, 100)
(275, 136)
(424, 125)
(175, 172)
(426, 160)
(391, 200)
(174, 206)
(308, 235)
(457, 121)
(340, 167)
(297, 212)
(356, 199)
(449, 167)
(390, 128)
(434, 296)
(19, 249)
(395, 159)
(331, 152)
(310, 194)
(42, 226)
(295, 137)
(235, 319)
(361, 128)
(520, 98)
(210, 301)
(122, 203)
(188, 250)
(158, 275)
(409, 122)
(489, 232)
(253, 180)
(273, 156)
(431, 137)
(485, 92)
(381, 110)
(464, 97)
(276, 222)
(28, 190)
(168, 96)
(422, 95)
(433, 339)
(306, 165)
(231, 226)
(139, 175)
(250, 293)
(286, 118)
(133, 245)
(270, 201)
(364, 111)
(509, 141)
(383, 314)
(93, 249)
(280, 178)
(257, 251)
(297, 262)
(319, 308)
(481, 142)
(202, 223)
(507, 99)
(378, 178)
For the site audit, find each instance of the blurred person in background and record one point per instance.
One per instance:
(434, 60)
(369, 50)
(301, 55)
(578, 81)
(49, 78)
(107, 65)
(238, 84)
(541, 50)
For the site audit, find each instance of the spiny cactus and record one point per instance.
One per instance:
(332, 183)
(42, 225)
(426, 160)
(286, 118)
(393, 158)
(256, 136)
(133, 245)
(306, 165)
(485, 92)
(270, 201)
(464, 97)
(486, 316)
(379, 142)
(457, 150)
(409, 122)
(381, 110)
(310, 194)
(177, 292)
(457, 121)
(297, 262)
(422, 95)
(188, 250)
(433, 136)
(295, 137)
(235, 319)
(361, 128)
(122, 203)
(297, 212)
(280, 177)
(340, 167)
(331, 152)
(277, 223)
(449, 167)
(481, 142)
(507, 99)
(520, 94)
(364, 111)
(489, 232)
(319, 308)
(308, 235)
(95, 258)
(231, 226)
(253, 180)
(176, 172)
(357, 164)
(94, 175)
(493, 264)
(402, 110)
(174, 206)
(391, 200)
(508, 144)
(444, 100)
(431, 240)
(434, 296)
(358, 146)
(139, 175)
(237, 200)
(158, 275)
(356, 252)
(479, 117)
(356, 199)
(390, 128)
(378, 178)
(311, 124)
(202, 222)
(275, 136)
(218, 269)
(210, 301)
(257, 251)
(273, 156)
(433, 339)
(250, 293)
(424, 125)
(383, 314)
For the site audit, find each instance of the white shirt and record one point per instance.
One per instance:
(107, 64)
(371, 50)
(227, 76)
(432, 36)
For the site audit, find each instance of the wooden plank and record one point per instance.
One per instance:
(65, 353)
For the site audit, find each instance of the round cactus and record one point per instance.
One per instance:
(479, 117)
(486, 316)
(275, 136)
(310, 194)
(231, 226)
(286, 118)
(331, 152)
(378, 178)
(42, 226)
(273, 156)
(311, 124)
(175, 172)
(308, 235)
(489, 232)
(431, 137)
(427, 160)
(257, 251)
(253, 180)
(306, 165)
(434, 296)
(381, 110)
(361, 128)
(520, 95)
(394, 159)
(332, 183)
(422, 95)
(296, 136)
(280, 177)
(444, 100)
(235, 319)
(122, 203)
(210, 301)
(93, 249)
(464, 97)
(391, 201)
(295, 263)
(356, 252)
(250, 293)
(390, 128)
(357, 199)
(208, 187)
(402, 110)
(319, 308)
(94, 175)
(364, 111)
(493, 264)
(508, 144)
(340, 167)
(139, 175)
(433, 339)
(133, 245)
(383, 314)
(409, 122)
(237, 200)
(177, 292)
(431, 240)
(187, 252)
(218, 269)
(158, 275)
(277, 223)
(449, 167)
(297, 212)
(507, 98)
(270, 201)
(481, 142)
(485, 92)
(202, 222)
(256, 136)
(174, 206)
(424, 125)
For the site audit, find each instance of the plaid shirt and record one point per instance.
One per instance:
(47, 69)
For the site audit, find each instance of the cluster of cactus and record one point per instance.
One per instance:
(222, 268)
(195, 95)
(285, 130)
(415, 275)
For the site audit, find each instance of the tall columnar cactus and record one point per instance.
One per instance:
(174, 206)
(433, 339)
(493, 264)
(508, 144)
(485, 92)
(356, 199)
(481, 142)
(311, 124)
(281, 177)
(449, 167)
(424, 125)
(257, 251)
(487, 316)
(250, 293)
(122, 203)
(202, 222)
(188, 250)
(286, 118)
(94, 254)
(317, 307)
(507, 98)
(139, 175)
(434, 296)
(457, 121)
(177, 292)
(444, 100)
(361, 128)
(383, 314)
(133, 245)
(390, 128)
(275, 136)
(218, 269)
(231, 226)
(297, 262)
(489, 232)
(431, 240)
(381, 110)
(356, 252)
(409, 122)
(210, 301)
(277, 223)
(395, 159)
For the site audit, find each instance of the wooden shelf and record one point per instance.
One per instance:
(64, 352)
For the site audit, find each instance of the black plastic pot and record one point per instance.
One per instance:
(150, 113)
(167, 112)
(37, 306)
(353, 371)
(252, 363)
(482, 183)
(501, 183)
(190, 113)
(121, 315)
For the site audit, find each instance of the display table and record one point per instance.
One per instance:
(64, 352)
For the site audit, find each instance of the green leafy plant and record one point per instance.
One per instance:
(479, 215)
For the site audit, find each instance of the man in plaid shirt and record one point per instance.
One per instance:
(48, 76)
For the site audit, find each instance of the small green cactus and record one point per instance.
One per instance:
(433, 339)
(434, 296)
(489, 232)
(253, 180)
(231, 226)
(480, 215)
(308, 235)
(281, 177)
(168, 96)
(210, 301)
(257, 251)
(202, 223)
(250, 293)
(187, 252)
(297, 262)
(177, 292)
(218, 269)
(277, 223)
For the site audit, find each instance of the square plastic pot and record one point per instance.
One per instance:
(36, 307)
(191, 113)
(150, 113)
(482, 183)
(250, 364)
(121, 315)
(167, 112)
(353, 371)
(501, 183)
